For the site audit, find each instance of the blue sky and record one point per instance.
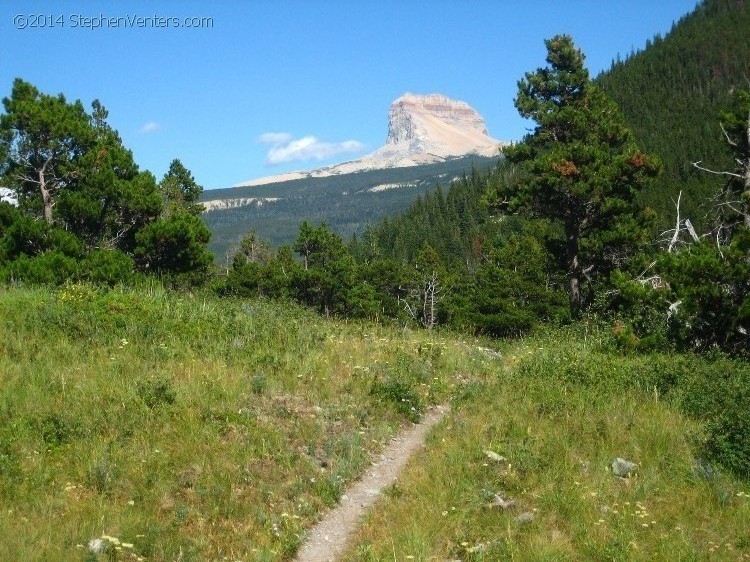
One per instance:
(314, 80)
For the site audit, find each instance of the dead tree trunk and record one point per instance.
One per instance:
(746, 193)
(46, 188)
(427, 295)
(431, 292)
(574, 270)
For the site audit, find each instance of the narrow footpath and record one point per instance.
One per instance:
(329, 539)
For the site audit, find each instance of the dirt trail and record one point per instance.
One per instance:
(328, 539)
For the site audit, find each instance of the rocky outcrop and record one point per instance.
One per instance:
(404, 123)
(223, 204)
(422, 129)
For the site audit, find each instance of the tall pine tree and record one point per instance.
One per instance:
(584, 170)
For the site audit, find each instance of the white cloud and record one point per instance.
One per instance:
(284, 148)
(150, 127)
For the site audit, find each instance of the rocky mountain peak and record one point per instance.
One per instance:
(422, 129)
(403, 117)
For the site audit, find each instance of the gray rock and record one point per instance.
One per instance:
(96, 546)
(500, 502)
(525, 517)
(490, 352)
(492, 455)
(623, 468)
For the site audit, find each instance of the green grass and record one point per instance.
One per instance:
(174, 426)
(191, 427)
(562, 408)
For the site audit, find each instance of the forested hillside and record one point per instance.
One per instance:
(671, 93)
(347, 202)
(453, 221)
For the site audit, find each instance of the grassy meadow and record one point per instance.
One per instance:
(151, 425)
(193, 428)
(564, 405)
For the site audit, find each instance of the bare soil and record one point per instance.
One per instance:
(329, 539)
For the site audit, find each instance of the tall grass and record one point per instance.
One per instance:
(146, 424)
(188, 427)
(564, 406)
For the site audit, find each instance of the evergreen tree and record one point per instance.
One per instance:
(253, 249)
(175, 247)
(83, 201)
(330, 280)
(180, 190)
(583, 168)
(44, 138)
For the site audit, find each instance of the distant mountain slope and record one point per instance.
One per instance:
(347, 202)
(671, 93)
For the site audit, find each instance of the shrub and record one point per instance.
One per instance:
(55, 430)
(642, 312)
(714, 287)
(718, 392)
(108, 267)
(49, 268)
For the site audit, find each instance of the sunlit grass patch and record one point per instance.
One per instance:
(191, 426)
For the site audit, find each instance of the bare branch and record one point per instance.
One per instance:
(729, 140)
(655, 281)
(731, 204)
(408, 309)
(691, 230)
(677, 226)
(119, 234)
(673, 308)
(28, 179)
(586, 271)
(652, 264)
(732, 174)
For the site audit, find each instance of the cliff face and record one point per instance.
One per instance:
(431, 128)
(422, 129)
(404, 123)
